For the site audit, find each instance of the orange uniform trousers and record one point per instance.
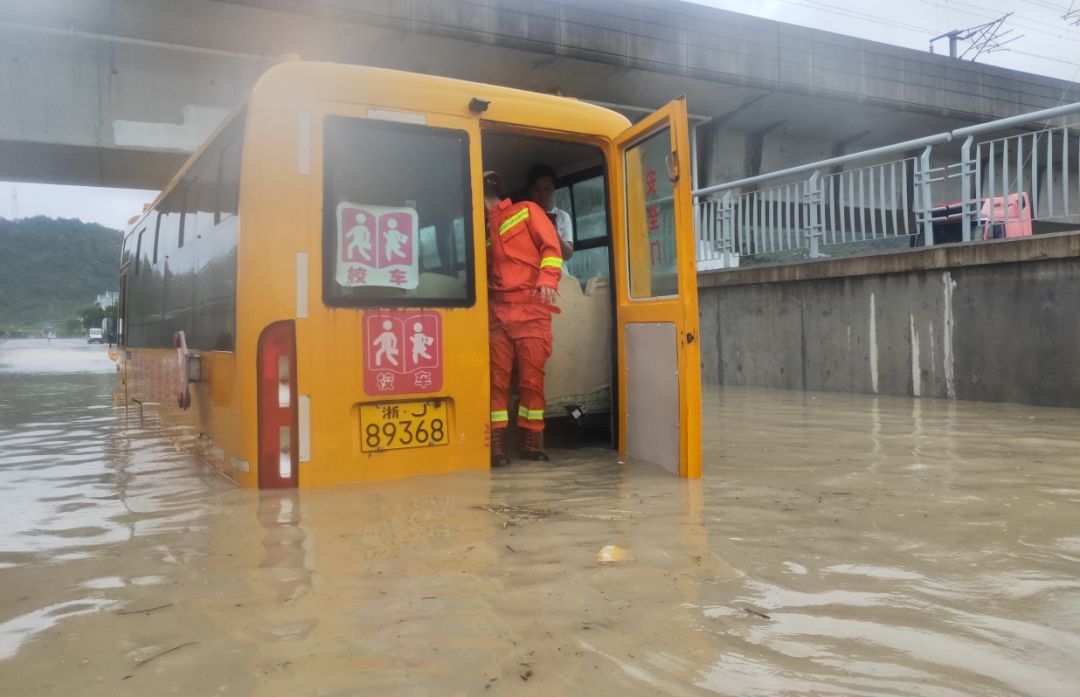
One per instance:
(520, 334)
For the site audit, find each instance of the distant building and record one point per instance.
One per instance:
(107, 299)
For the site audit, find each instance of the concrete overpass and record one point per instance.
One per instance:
(118, 92)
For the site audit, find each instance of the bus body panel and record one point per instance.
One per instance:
(280, 277)
(210, 425)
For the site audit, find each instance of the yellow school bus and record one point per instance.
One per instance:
(306, 302)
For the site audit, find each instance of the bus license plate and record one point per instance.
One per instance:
(400, 425)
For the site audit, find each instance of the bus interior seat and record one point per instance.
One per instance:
(579, 370)
(434, 284)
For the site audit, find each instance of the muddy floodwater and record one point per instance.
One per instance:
(837, 545)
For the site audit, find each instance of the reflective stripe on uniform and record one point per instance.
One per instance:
(554, 262)
(499, 416)
(513, 220)
(531, 414)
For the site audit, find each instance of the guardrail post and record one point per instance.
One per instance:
(923, 205)
(812, 202)
(968, 204)
(726, 241)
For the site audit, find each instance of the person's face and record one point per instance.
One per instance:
(542, 192)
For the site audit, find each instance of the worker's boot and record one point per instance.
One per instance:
(530, 446)
(499, 457)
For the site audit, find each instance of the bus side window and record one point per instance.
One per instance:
(157, 236)
(361, 200)
(430, 259)
(460, 256)
(141, 279)
(228, 182)
(591, 244)
(138, 253)
(564, 200)
(187, 219)
(442, 248)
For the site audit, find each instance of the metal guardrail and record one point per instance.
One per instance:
(996, 187)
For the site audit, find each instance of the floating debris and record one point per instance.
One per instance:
(517, 514)
(145, 610)
(140, 664)
(613, 554)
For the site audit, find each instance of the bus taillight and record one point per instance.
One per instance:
(277, 406)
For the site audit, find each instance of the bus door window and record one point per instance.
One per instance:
(651, 219)
(592, 247)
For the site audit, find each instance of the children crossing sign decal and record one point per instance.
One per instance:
(402, 352)
(377, 246)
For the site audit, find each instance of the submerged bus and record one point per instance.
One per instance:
(306, 300)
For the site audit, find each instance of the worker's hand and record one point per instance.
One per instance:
(547, 295)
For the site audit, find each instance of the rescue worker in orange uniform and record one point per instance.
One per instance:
(524, 266)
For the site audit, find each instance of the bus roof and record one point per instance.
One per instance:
(404, 91)
(395, 89)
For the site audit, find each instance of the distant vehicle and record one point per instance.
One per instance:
(996, 219)
(1006, 220)
(95, 336)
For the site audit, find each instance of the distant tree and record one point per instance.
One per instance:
(92, 316)
(49, 268)
(73, 326)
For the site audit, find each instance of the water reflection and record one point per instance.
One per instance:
(837, 545)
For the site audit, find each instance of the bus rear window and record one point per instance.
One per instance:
(397, 223)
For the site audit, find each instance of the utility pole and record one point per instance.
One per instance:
(985, 38)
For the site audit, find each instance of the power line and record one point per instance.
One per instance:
(979, 11)
(1048, 58)
(1047, 5)
(985, 38)
(826, 8)
(818, 6)
(1072, 16)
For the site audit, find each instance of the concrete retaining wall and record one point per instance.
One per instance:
(996, 321)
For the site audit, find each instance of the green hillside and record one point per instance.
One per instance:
(49, 268)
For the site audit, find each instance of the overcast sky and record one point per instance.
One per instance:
(1047, 45)
(110, 207)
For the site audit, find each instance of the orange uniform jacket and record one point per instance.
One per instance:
(523, 252)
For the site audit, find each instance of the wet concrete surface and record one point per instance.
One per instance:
(837, 545)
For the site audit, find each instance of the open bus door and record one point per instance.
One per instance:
(656, 296)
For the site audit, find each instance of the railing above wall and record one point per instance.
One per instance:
(995, 188)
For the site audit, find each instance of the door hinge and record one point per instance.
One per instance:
(671, 163)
